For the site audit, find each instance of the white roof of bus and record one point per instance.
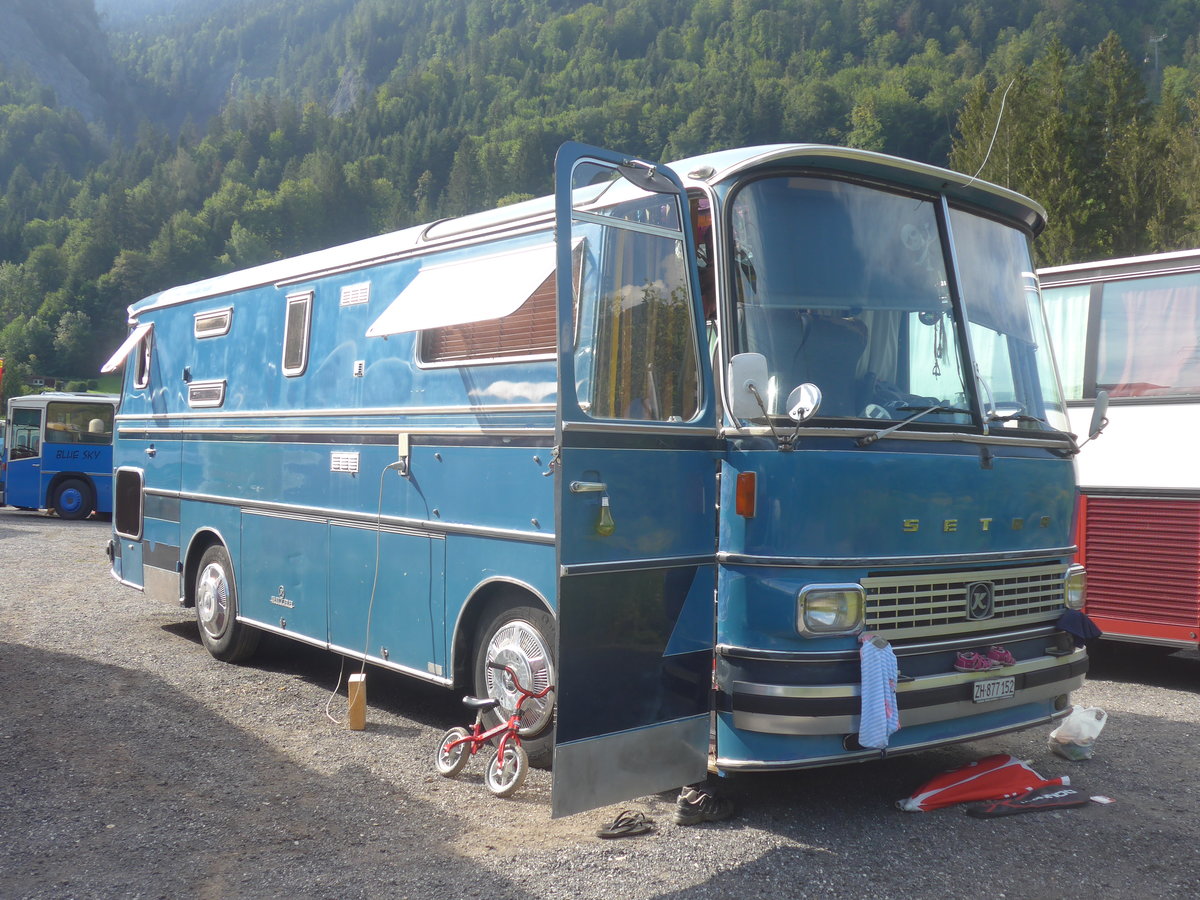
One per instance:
(1164, 260)
(708, 168)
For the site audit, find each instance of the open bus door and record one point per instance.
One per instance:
(23, 482)
(635, 486)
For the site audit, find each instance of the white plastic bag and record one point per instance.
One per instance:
(1075, 737)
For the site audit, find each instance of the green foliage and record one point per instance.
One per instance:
(275, 127)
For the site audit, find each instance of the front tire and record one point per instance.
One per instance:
(216, 609)
(504, 777)
(74, 499)
(522, 638)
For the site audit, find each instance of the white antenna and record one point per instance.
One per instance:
(995, 132)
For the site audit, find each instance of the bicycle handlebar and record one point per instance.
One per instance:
(517, 683)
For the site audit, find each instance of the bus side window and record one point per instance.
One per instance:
(296, 328)
(141, 375)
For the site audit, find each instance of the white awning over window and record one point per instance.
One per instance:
(470, 290)
(126, 348)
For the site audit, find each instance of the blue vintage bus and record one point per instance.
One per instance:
(672, 440)
(58, 453)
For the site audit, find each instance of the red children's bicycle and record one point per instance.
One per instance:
(509, 764)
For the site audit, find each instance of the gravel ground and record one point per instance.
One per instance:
(135, 765)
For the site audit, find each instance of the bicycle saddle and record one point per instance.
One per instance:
(480, 702)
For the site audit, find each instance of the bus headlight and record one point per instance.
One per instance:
(1075, 587)
(830, 609)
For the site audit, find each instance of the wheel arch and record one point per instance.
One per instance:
(59, 478)
(199, 543)
(488, 595)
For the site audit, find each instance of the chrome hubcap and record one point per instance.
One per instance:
(212, 601)
(519, 646)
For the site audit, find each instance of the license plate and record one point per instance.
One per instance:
(994, 689)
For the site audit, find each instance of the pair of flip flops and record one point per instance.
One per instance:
(627, 824)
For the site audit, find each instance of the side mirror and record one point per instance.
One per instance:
(747, 384)
(1099, 415)
(803, 402)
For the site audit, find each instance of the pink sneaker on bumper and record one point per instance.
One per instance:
(974, 662)
(999, 656)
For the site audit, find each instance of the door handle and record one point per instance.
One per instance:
(151, 452)
(580, 487)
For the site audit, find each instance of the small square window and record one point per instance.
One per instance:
(206, 394)
(213, 323)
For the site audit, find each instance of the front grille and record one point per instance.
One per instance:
(913, 606)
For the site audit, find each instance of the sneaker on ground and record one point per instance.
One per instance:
(694, 807)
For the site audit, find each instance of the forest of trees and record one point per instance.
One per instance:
(239, 132)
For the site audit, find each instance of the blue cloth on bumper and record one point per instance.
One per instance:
(1076, 623)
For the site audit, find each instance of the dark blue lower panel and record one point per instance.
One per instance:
(634, 649)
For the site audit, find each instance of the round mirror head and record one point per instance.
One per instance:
(803, 402)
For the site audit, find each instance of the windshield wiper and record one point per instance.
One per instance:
(869, 439)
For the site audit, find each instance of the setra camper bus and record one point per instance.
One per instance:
(674, 440)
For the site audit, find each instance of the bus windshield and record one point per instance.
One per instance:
(845, 286)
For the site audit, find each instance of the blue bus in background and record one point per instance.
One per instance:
(58, 453)
(674, 440)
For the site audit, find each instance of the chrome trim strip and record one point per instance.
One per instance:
(924, 683)
(726, 557)
(346, 651)
(634, 565)
(439, 680)
(759, 765)
(119, 580)
(639, 428)
(387, 529)
(770, 723)
(765, 723)
(734, 651)
(1179, 644)
(291, 516)
(345, 517)
(361, 412)
(993, 439)
(290, 635)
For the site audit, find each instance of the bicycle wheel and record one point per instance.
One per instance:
(504, 777)
(451, 760)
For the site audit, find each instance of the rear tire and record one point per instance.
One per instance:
(74, 499)
(217, 608)
(450, 762)
(521, 637)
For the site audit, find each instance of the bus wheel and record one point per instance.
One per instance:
(216, 609)
(74, 499)
(522, 638)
